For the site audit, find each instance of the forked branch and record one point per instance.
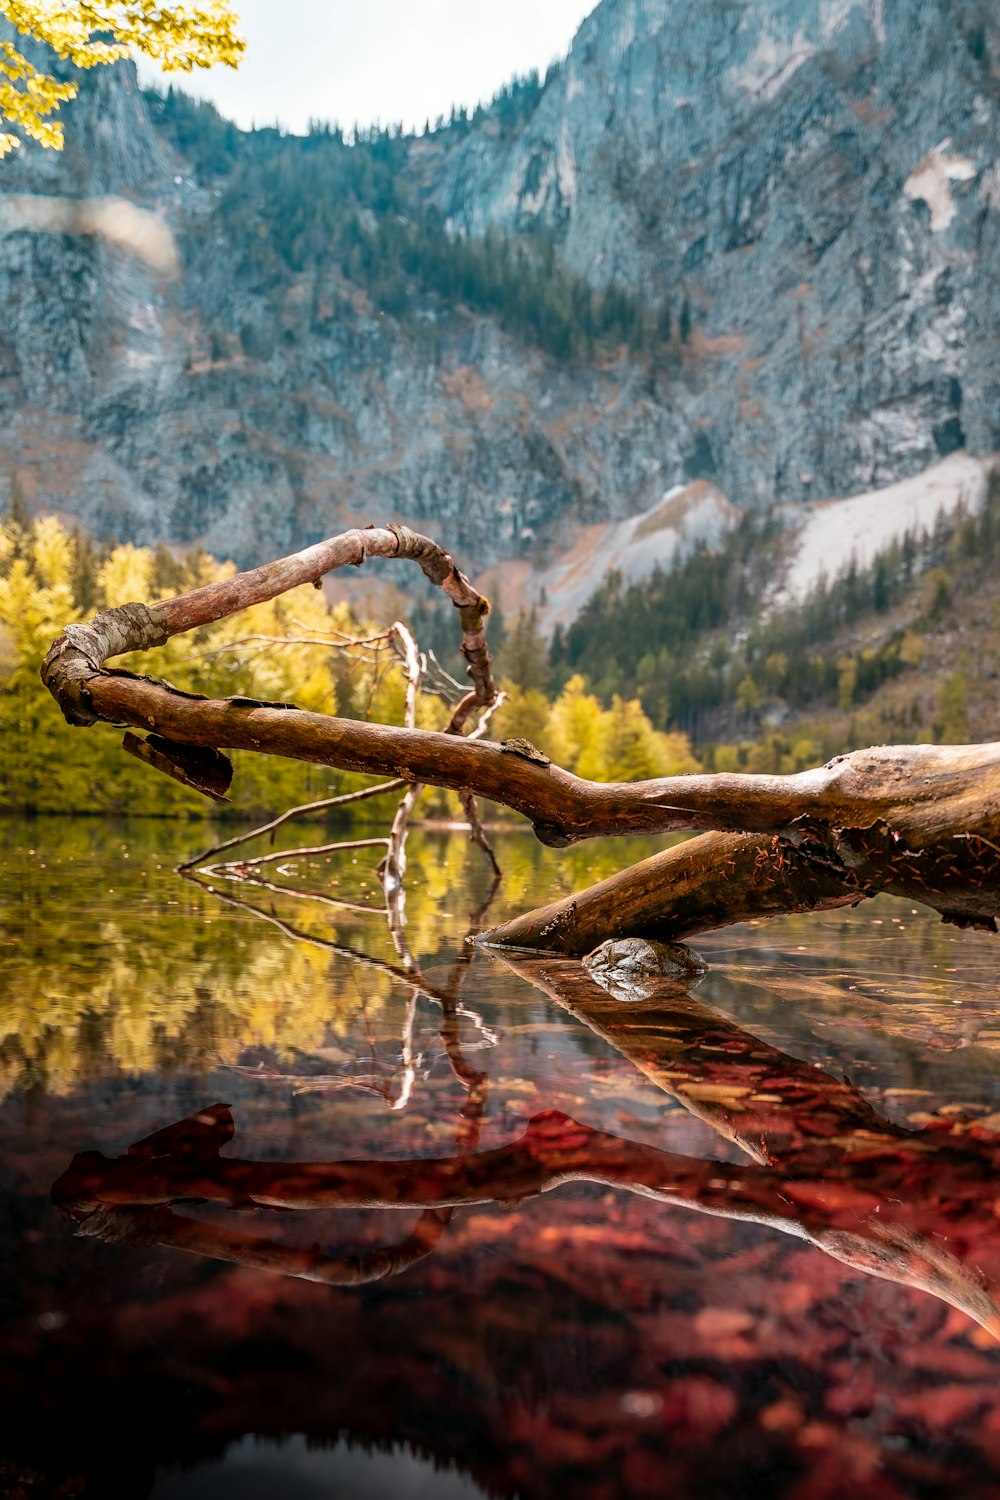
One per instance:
(919, 821)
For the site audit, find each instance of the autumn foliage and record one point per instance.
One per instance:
(178, 37)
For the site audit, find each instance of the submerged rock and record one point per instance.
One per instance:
(631, 968)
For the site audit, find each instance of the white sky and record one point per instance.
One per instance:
(387, 60)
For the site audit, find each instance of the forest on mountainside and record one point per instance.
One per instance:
(332, 202)
(890, 651)
(707, 651)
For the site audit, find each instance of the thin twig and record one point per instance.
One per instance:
(288, 640)
(343, 903)
(290, 854)
(294, 812)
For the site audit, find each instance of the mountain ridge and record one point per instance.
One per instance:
(816, 180)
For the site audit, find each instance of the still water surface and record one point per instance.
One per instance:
(732, 1241)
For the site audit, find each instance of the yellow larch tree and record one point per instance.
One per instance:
(178, 37)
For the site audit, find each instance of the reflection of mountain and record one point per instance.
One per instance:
(815, 181)
(257, 1469)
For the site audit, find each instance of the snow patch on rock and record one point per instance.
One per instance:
(931, 179)
(660, 537)
(832, 15)
(833, 532)
(772, 63)
(566, 167)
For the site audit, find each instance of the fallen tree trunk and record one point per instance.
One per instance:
(719, 879)
(922, 822)
(708, 882)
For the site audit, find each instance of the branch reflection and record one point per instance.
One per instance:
(914, 1207)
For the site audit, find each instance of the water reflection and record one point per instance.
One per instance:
(135, 969)
(917, 1207)
(255, 1470)
(752, 1277)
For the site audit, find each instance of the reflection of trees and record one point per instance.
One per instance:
(166, 979)
(196, 1143)
(408, 972)
(154, 984)
(914, 1207)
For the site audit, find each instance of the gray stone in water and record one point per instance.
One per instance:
(631, 968)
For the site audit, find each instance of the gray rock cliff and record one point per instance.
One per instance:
(820, 179)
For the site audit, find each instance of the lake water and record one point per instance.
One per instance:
(741, 1240)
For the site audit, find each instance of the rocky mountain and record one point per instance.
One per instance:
(821, 177)
(813, 184)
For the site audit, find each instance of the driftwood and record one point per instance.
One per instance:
(920, 822)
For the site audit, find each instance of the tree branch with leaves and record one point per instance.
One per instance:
(177, 37)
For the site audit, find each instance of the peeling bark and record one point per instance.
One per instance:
(82, 650)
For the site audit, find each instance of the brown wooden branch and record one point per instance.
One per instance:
(721, 878)
(919, 821)
(81, 650)
(323, 805)
(920, 791)
(707, 882)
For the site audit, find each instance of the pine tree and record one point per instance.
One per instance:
(525, 660)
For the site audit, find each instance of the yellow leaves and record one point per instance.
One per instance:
(178, 37)
(27, 97)
(17, 591)
(126, 576)
(601, 744)
(36, 593)
(278, 651)
(574, 726)
(913, 649)
(52, 552)
(526, 715)
(8, 543)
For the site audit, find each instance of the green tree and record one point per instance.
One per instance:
(747, 695)
(954, 728)
(936, 592)
(525, 659)
(684, 322)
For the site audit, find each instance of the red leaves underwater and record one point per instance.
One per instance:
(604, 1338)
